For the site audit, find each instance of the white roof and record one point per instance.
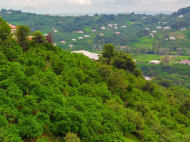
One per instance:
(93, 56)
(154, 61)
(154, 31)
(147, 78)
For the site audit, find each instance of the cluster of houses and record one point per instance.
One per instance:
(181, 62)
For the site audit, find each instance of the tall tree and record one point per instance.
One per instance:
(5, 31)
(108, 50)
(49, 38)
(38, 37)
(21, 34)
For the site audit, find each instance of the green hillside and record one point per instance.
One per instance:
(48, 94)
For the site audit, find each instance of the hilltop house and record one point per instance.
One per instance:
(13, 28)
(93, 31)
(63, 42)
(117, 33)
(73, 39)
(80, 37)
(124, 26)
(167, 28)
(101, 34)
(110, 25)
(154, 31)
(159, 27)
(172, 38)
(79, 32)
(93, 56)
(103, 28)
(185, 62)
(115, 27)
(86, 36)
(155, 62)
(70, 45)
(181, 16)
(183, 29)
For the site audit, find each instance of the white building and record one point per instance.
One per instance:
(86, 36)
(101, 34)
(183, 29)
(110, 25)
(80, 38)
(167, 28)
(70, 45)
(124, 26)
(154, 31)
(172, 38)
(93, 56)
(73, 39)
(93, 31)
(181, 16)
(147, 29)
(159, 27)
(164, 22)
(55, 31)
(103, 28)
(155, 62)
(63, 42)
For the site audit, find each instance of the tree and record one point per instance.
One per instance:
(39, 38)
(71, 137)
(49, 38)
(21, 34)
(5, 31)
(108, 51)
(124, 61)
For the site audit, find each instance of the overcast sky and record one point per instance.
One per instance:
(93, 6)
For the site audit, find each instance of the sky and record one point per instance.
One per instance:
(92, 6)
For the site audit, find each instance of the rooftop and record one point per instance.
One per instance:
(93, 56)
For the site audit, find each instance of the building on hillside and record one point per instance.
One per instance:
(115, 27)
(166, 28)
(181, 16)
(55, 31)
(147, 78)
(73, 39)
(143, 17)
(164, 22)
(155, 62)
(30, 37)
(103, 28)
(13, 28)
(154, 31)
(70, 45)
(79, 32)
(92, 56)
(54, 44)
(183, 29)
(185, 62)
(159, 27)
(45, 34)
(147, 29)
(80, 38)
(101, 34)
(93, 31)
(110, 25)
(124, 26)
(172, 38)
(117, 33)
(63, 42)
(86, 36)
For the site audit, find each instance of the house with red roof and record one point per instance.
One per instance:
(13, 28)
(185, 62)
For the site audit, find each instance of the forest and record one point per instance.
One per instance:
(49, 94)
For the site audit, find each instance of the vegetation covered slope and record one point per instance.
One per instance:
(45, 90)
(135, 36)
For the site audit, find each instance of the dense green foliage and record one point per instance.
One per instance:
(178, 73)
(45, 89)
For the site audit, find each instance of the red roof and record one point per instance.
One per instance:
(12, 26)
(185, 61)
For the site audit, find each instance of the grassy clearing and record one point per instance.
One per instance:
(144, 42)
(88, 29)
(128, 23)
(131, 138)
